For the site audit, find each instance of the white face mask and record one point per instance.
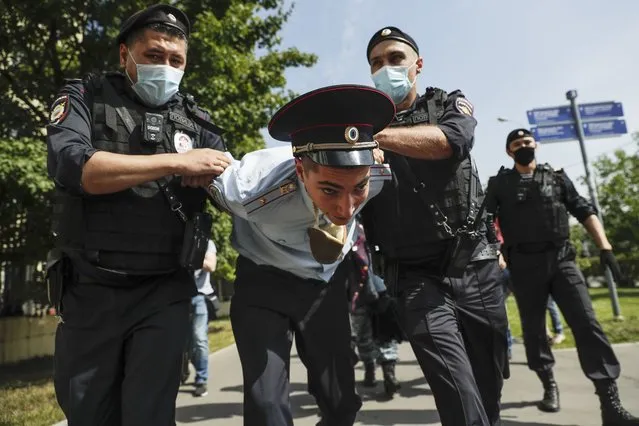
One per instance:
(394, 81)
(156, 84)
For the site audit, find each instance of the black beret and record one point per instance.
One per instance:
(390, 33)
(156, 14)
(517, 134)
(334, 125)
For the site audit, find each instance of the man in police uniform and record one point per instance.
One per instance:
(113, 141)
(532, 203)
(293, 224)
(456, 326)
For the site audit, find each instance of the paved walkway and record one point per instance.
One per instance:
(414, 404)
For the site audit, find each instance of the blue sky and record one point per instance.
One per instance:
(507, 56)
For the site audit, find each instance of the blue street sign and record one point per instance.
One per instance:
(560, 132)
(600, 110)
(592, 130)
(560, 114)
(607, 128)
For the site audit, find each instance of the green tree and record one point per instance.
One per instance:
(25, 194)
(236, 71)
(618, 190)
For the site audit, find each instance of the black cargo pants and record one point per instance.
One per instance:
(269, 307)
(118, 354)
(536, 274)
(479, 298)
(428, 315)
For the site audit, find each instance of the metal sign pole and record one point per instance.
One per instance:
(571, 95)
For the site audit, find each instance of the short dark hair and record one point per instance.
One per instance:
(137, 33)
(308, 164)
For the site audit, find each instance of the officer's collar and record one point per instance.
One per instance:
(407, 112)
(307, 198)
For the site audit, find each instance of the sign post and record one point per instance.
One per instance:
(581, 122)
(571, 95)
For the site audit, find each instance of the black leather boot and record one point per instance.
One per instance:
(391, 384)
(550, 403)
(612, 412)
(369, 375)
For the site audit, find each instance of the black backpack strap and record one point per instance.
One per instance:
(435, 99)
(113, 104)
(194, 113)
(431, 106)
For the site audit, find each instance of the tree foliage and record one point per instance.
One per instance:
(618, 191)
(25, 196)
(235, 70)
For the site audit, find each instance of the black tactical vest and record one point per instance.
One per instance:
(133, 231)
(397, 220)
(532, 210)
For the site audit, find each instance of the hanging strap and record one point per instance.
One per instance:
(474, 215)
(419, 187)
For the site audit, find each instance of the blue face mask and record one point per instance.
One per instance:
(156, 83)
(394, 82)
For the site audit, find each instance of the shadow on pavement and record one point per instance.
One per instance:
(302, 405)
(518, 404)
(397, 417)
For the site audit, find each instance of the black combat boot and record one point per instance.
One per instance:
(612, 412)
(391, 384)
(550, 403)
(369, 375)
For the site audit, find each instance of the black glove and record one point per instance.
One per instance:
(385, 318)
(381, 303)
(607, 258)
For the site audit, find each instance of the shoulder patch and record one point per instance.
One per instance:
(464, 106)
(270, 195)
(59, 110)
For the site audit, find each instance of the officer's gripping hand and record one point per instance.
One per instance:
(199, 166)
(607, 258)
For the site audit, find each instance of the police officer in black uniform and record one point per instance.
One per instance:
(456, 326)
(126, 151)
(532, 203)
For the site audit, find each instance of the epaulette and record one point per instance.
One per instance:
(199, 115)
(504, 170)
(546, 167)
(289, 186)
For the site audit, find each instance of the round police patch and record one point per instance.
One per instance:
(464, 106)
(59, 110)
(182, 142)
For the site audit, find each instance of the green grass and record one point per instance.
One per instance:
(617, 331)
(27, 397)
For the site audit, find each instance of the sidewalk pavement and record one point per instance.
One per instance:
(414, 404)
